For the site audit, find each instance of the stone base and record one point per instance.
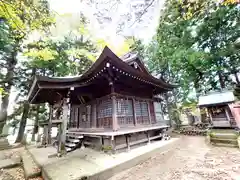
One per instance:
(238, 139)
(4, 144)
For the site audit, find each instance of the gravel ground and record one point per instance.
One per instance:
(14, 174)
(193, 159)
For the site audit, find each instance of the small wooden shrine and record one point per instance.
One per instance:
(217, 106)
(113, 104)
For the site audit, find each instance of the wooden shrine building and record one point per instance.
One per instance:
(217, 106)
(114, 103)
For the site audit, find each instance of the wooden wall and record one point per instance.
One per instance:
(99, 113)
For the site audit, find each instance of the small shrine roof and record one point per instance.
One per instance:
(216, 98)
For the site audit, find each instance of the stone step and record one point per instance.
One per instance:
(68, 149)
(76, 136)
(68, 144)
(4, 144)
(9, 163)
(31, 170)
(73, 140)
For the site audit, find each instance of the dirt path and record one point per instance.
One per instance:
(192, 160)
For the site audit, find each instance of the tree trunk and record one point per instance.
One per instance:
(26, 108)
(35, 127)
(237, 78)
(221, 79)
(197, 88)
(7, 85)
(23, 122)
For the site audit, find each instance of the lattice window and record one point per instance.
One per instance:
(138, 108)
(104, 113)
(158, 112)
(141, 108)
(88, 113)
(124, 107)
(105, 108)
(124, 111)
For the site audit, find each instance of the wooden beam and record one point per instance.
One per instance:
(34, 84)
(59, 139)
(114, 109)
(62, 86)
(148, 137)
(35, 95)
(127, 142)
(227, 114)
(134, 112)
(49, 139)
(45, 135)
(113, 144)
(94, 115)
(114, 114)
(154, 112)
(149, 113)
(210, 115)
(63, 128)
(135, 97)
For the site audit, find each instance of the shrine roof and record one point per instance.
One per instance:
(216, 98)
(106, 60)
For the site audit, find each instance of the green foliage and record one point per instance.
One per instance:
(194, 46)
(61, 57)
(237, 91)
(27, 15)
(106, 148)
(19, 19)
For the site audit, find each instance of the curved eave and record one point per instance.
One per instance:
(44, 82)
(146, 77)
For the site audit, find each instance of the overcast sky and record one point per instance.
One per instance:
(115, 10)
(106, 30)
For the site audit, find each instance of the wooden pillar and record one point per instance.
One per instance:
(76, 117)
(59, 138)
(49, 133)
(94, 115)
(113, 144)
(210, 115)
(45, 134)
(154, 113)
(63, 128)
(134, 112)
(148, 137)
(114, 113)
(149, 113)
(227, 115)
(127, 142)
